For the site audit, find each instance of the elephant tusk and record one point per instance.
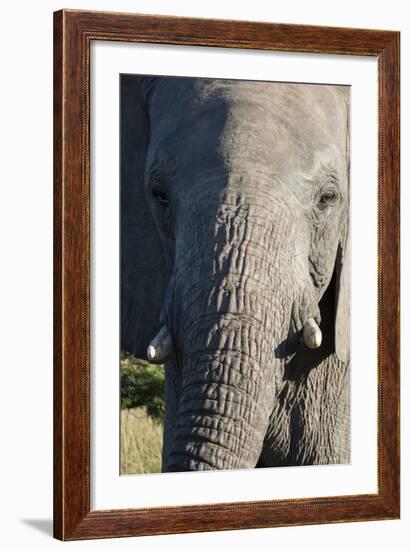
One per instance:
(161, 346)
(312, 335)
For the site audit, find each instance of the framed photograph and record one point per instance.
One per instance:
(226, 275)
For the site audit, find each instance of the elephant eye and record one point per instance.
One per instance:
(327, 198)
(160, 196)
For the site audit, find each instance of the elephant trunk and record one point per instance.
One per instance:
(225, 402)
(232, 317)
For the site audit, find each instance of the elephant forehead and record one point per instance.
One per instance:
(242, 125)
(287, 127)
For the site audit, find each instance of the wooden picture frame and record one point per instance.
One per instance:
(74, 32)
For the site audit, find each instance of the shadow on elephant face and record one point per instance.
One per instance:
(302, 361)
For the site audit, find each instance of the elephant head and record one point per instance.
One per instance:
(235, 201)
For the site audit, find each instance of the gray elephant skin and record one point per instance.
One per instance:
(234, 236)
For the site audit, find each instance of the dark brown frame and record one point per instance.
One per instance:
(73, 33)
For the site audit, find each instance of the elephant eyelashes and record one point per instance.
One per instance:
(327, 199)
(160, 196)
(162, 203)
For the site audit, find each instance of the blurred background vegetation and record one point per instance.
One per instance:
(142, 415)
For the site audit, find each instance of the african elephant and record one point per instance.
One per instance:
(235, 266)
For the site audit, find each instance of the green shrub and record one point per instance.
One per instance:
(142, 385)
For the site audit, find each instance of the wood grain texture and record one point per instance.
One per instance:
(57, 302)
(73, 32)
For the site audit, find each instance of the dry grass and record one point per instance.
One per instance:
(141, 442)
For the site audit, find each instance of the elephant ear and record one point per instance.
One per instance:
(342, 318)
(143, 273)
